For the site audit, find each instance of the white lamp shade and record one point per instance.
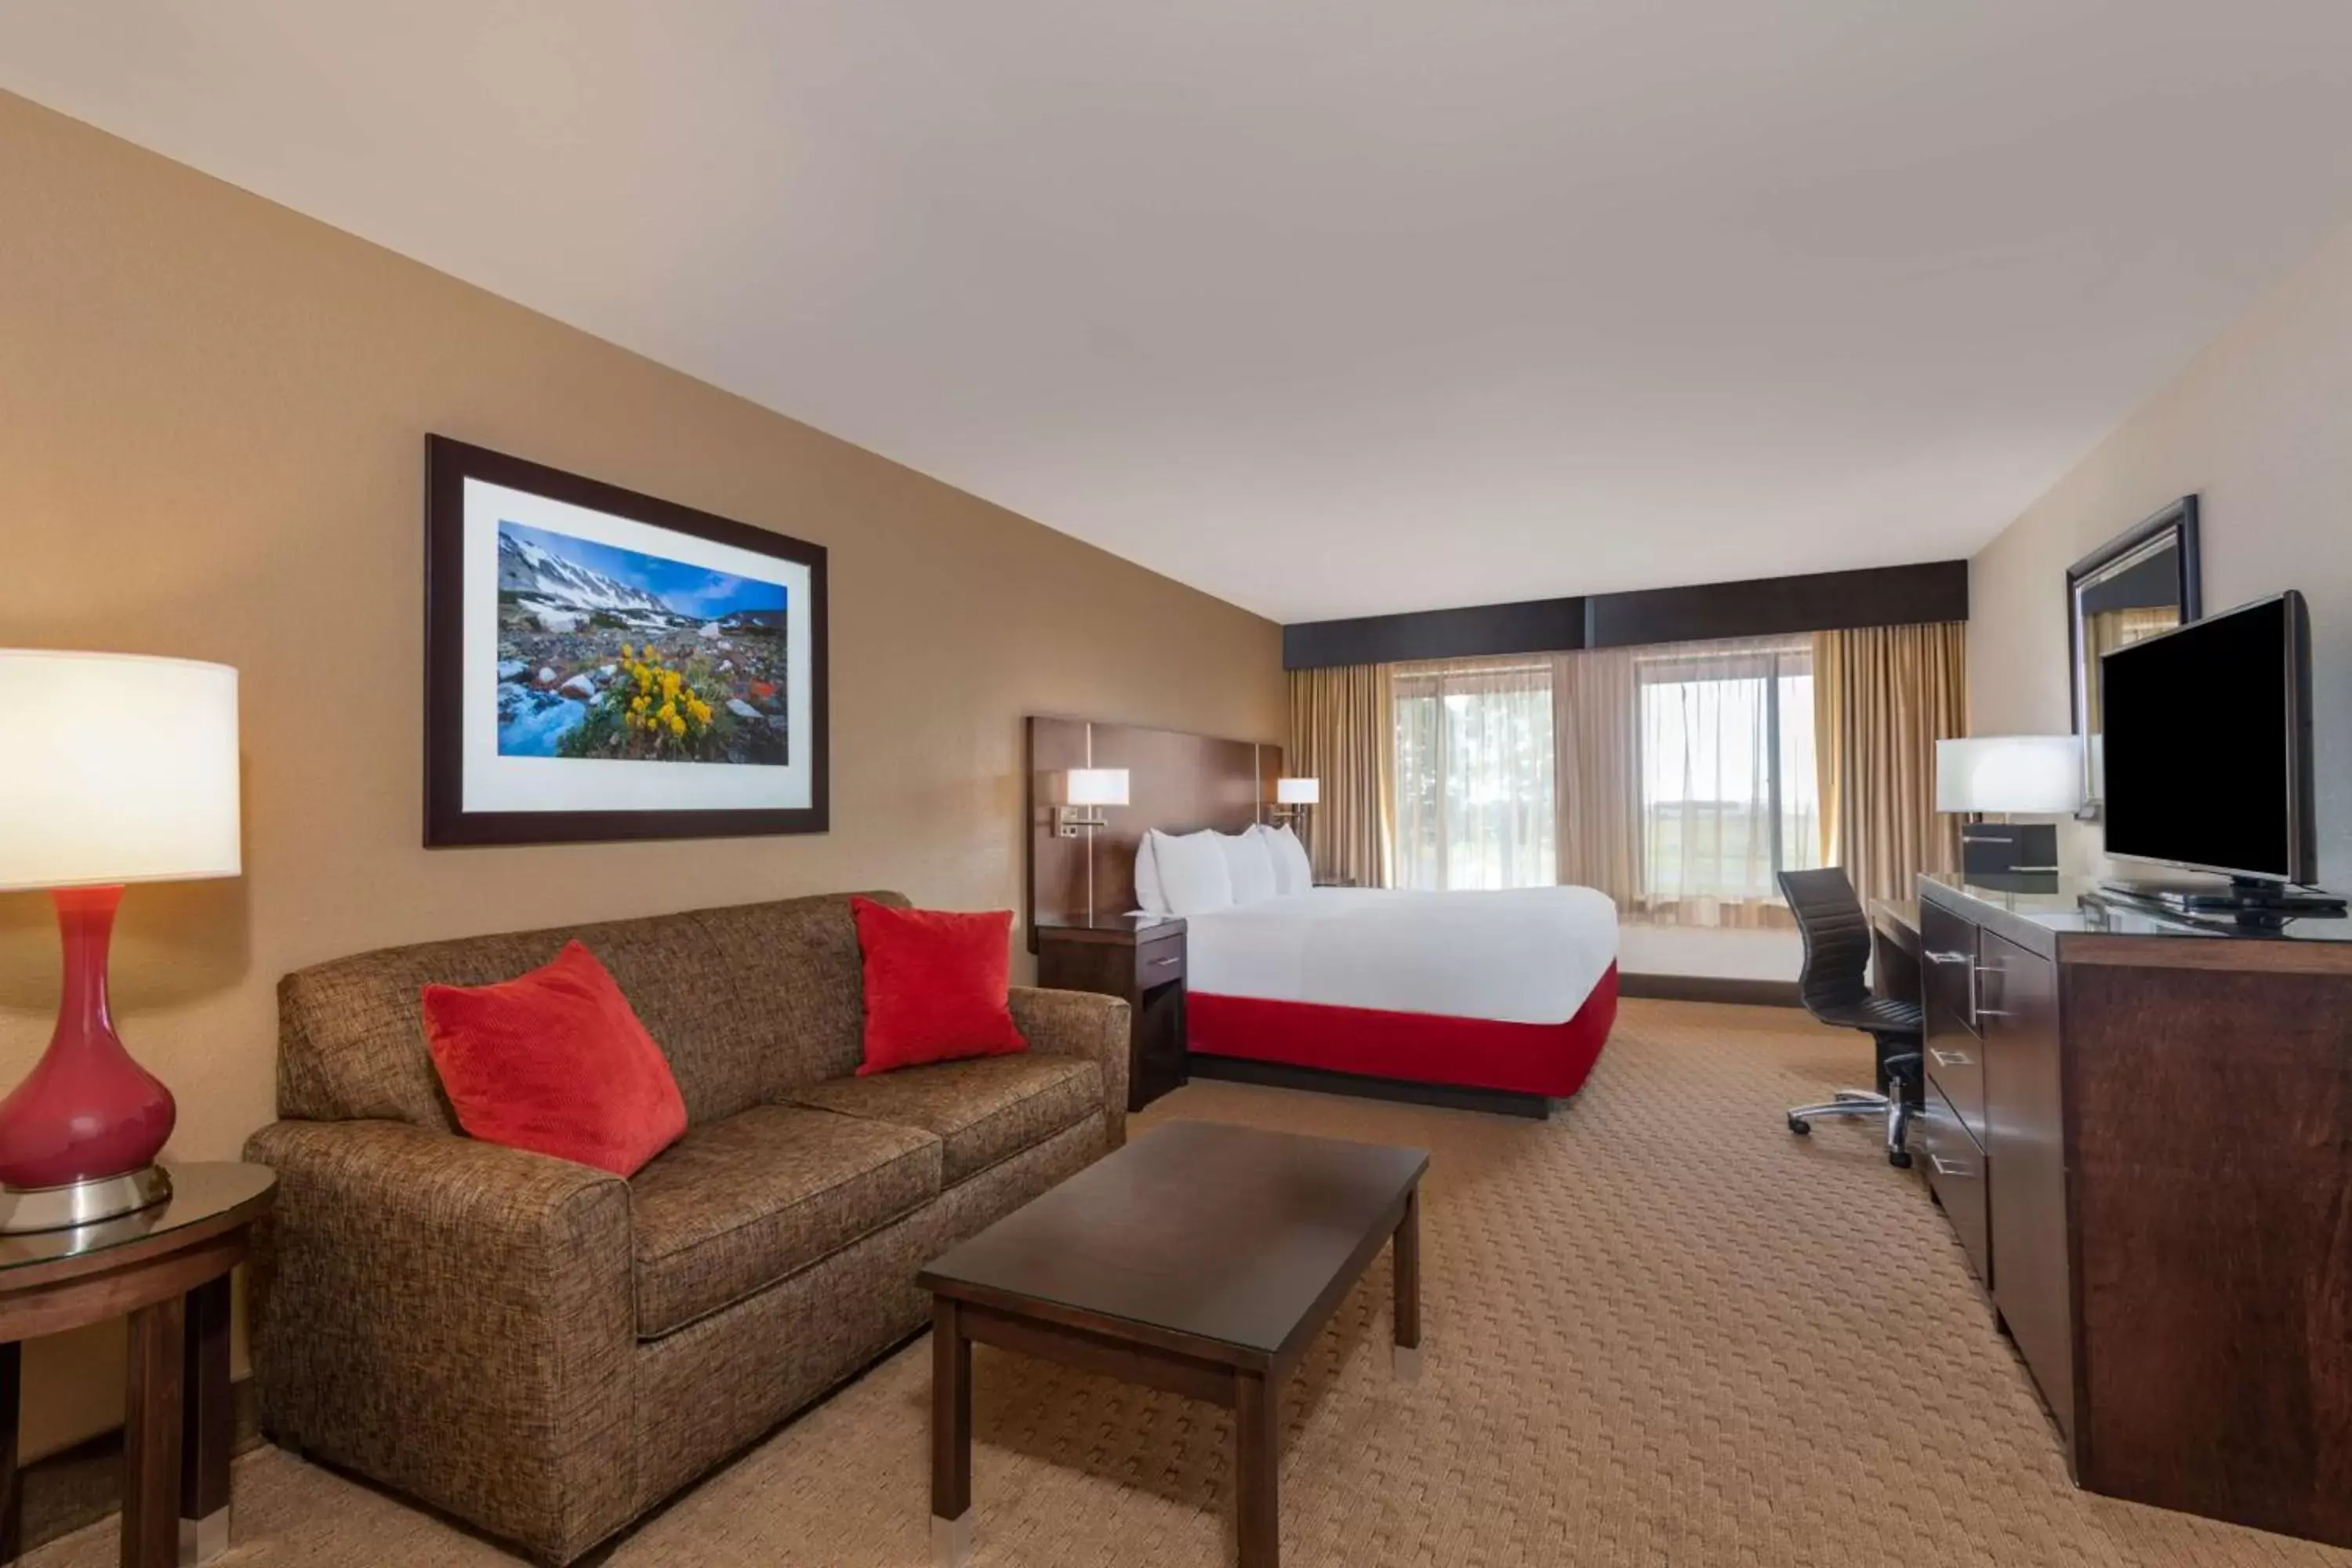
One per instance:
(128, 775)
(1298, 792)
(2035, 774)
(1095, 786)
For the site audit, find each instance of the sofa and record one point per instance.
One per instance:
(547, 1351)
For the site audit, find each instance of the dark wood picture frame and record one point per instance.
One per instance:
(449, 464)
(2176, 522)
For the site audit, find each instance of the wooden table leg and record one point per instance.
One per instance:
(12, 1388)
(951, 1437)
(151, 1437)
(1258, 1471)
(1405, 1266)
(208, 1428)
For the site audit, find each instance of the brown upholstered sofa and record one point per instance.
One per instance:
(547, 1351)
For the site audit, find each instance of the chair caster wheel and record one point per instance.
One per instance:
(1899, 1158)
(1800, 1127)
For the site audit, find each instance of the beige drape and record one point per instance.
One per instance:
(1595, 712)
(1883, 697)
(1343, 732)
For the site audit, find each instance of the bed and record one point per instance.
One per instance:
(1501, 1001)
(1498, 1001)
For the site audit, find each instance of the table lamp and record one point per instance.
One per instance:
(131, 775)
(2035, 774)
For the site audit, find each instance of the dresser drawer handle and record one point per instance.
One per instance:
(1162, 962)
(1960, 958)
(1951, 1168)
(1950, 1058)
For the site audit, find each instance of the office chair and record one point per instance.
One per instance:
(1837, 950)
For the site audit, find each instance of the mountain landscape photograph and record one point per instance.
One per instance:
(610, 653)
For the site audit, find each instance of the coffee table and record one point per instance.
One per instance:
(1202, 1259)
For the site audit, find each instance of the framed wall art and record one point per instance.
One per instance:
(602, 665)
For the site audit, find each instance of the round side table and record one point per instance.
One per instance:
(167, 1267)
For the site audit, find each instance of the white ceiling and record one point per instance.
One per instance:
(1329, 307)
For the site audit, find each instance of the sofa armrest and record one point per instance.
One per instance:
(452, 1319)
(1081, 1024)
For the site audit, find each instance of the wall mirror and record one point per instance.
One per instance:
(2135, 585)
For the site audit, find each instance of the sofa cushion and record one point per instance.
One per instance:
(747, 1001)
(982, 1110)
(736, 1206)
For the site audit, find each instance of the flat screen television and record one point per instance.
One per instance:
(2207, 743)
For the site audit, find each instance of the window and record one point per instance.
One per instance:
(1730, 796)
(1474, 776)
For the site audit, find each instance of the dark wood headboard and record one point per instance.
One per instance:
(1176, 782)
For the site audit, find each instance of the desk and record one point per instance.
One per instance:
(1894, 949)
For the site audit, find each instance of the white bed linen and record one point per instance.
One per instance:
(1523, 955)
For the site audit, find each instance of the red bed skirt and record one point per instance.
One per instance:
(1550, 1059)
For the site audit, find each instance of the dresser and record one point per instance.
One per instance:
(2140, 1131)
(1141, 960)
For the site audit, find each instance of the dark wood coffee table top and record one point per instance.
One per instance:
(1217, 1236)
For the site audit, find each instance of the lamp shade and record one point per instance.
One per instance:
(130, 774)
(1298, 792)
(2037, 774)
(1095, 786)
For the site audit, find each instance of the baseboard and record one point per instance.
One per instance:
(81, 1485)
(1709, 988)
(1323, 1080)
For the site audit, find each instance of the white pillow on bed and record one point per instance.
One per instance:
(1251, 863)
(1193, 875)
(1293, 873)
(1147, 892)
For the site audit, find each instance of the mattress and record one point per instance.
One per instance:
(1522, 955)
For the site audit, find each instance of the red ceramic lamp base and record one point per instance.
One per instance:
(80, 1136)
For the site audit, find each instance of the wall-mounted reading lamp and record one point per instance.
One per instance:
(1080, 794)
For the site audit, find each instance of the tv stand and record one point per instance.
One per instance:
(2137, 1132)
(2241, 896)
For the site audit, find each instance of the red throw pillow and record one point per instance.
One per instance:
(936, 986)
(556, 1062)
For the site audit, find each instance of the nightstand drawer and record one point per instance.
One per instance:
(1157, 963)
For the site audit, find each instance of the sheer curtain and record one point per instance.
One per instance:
(1730, 796)
(1473, 769)
(1679, 779)
(1597, 760)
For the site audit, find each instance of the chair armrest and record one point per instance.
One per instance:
(1081, 1024)
(453, 1319)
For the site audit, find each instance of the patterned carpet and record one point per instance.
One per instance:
(1660, 1331)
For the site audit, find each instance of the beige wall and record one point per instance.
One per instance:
(211, 433)
(2260, 426)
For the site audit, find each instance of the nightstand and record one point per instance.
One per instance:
(1139, 960)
